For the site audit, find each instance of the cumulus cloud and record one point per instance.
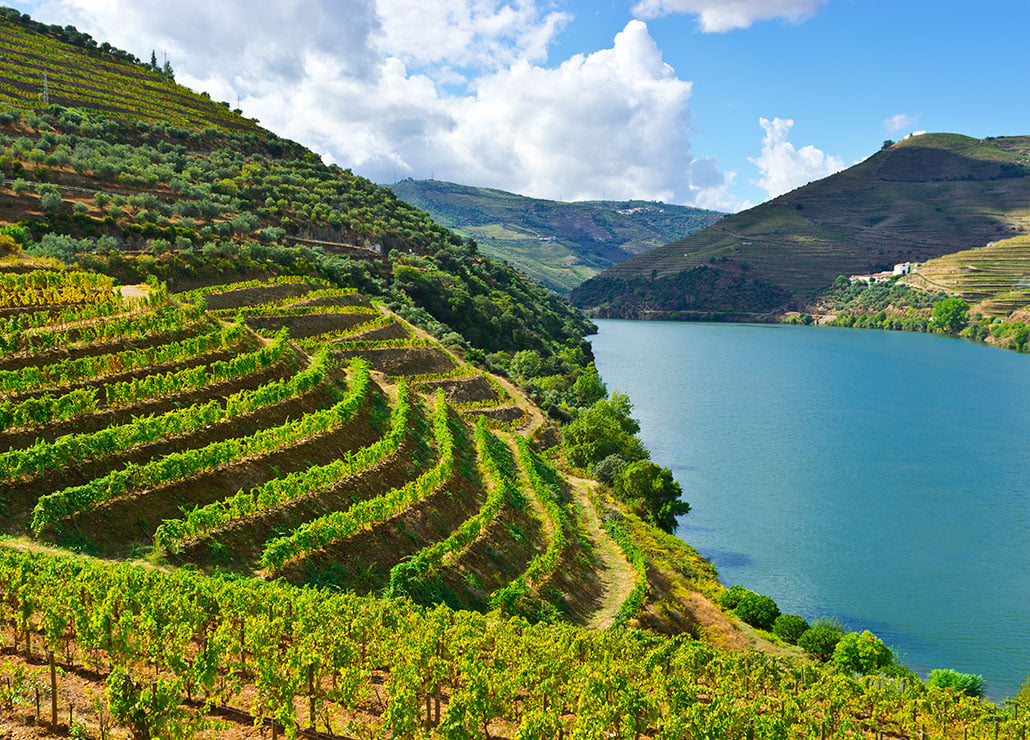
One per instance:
(898, 122)
(783, 167)
(455, 89)
(717, 16)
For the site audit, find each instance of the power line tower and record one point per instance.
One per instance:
(46, 92)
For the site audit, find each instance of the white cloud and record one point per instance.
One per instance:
(717, 16)
(466, 32)
(456, 89)
(782, 167)
(898, 122)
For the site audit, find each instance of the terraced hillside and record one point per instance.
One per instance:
(559, 244)
(920, 199)
(251, 461)
(994, 279)
(361, 454)
(358, 457)
(84, 76)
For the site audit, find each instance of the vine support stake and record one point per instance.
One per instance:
(53, 688)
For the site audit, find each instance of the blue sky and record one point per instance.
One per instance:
(689, 101)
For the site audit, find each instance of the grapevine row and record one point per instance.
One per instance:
(339, 525)
(53, 507)
(66, 450)
(545, 563)
(86, 368)
(231, 641)
(407, 575)
(48, 408)
(203, 520)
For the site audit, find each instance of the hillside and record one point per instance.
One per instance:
(258, 474)
(919, 199)
(560, 244)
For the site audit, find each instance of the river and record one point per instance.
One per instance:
(882, 478)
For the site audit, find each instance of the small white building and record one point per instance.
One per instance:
(903, 268)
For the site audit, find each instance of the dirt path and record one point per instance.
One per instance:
(617, 575)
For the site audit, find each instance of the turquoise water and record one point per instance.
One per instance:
(882, 478)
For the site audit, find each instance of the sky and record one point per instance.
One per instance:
(714, 103)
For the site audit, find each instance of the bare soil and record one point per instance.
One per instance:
(458, 391)
(258, 295)
(302, 327)
(404, 360)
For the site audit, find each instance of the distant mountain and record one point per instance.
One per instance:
(559, 244)
(924, 197)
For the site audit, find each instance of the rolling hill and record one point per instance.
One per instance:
(560, 244)
(913, 201)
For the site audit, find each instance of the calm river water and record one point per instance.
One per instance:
(879, 477)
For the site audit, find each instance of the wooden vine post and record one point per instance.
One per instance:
(53, 688)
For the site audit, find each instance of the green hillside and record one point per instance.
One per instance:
(921, 198)
(559, 244)
(80, 73)
(258, 478)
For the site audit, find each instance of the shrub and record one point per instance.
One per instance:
(820, 641)
(789, 627)
(606, 470)
(729, 598)
(758, 611)
(862, 653)
(967, 683)
(50, 202)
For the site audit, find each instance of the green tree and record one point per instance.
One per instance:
(790, 627)
(950, 314)
(757, 610)
(820, 640)
(651, 490)
(862, 653)
(606, 428)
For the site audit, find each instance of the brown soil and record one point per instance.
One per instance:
(107, 417)
(502, 414)
(347, 299)
(301, 327)
(390, 331)
(404, 360)
(258, 295)
(464, 390)
(114, 526)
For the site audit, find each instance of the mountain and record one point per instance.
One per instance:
(918, 199)
(560, 244)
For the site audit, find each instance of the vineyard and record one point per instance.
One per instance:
(358, 459)
(274, 461)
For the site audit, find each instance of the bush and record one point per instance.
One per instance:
(967, 683)
(758, 611)
(789, 627)
(820, 641)
(729, 598)
(862, 653)
(50, 202)
(606, 470)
